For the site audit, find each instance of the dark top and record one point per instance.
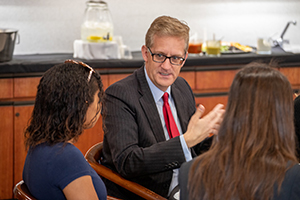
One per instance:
(49, 169)
(290, 189)
(297, 124)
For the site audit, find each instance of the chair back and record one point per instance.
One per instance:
(21, 192)
(93, 156)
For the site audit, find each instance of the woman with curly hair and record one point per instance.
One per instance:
(68, 100)
(253, 155)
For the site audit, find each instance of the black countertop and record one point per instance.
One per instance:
(39, 63)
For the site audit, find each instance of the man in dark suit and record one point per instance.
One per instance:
(136, 142)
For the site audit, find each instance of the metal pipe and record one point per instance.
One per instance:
(286, 27)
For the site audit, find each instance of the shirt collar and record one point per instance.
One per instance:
(156, 92)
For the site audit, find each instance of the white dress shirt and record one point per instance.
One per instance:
(157, 95)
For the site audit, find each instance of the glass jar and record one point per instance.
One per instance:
(97, 25)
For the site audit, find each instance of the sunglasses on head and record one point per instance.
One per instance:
(84, 65)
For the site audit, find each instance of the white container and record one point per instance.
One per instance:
(97, 25)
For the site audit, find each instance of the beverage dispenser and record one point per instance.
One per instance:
(97, 25)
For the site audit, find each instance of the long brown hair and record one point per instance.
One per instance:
(255, 141)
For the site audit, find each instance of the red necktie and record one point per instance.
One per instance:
(170, 122)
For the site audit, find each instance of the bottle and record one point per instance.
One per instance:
(97, 25)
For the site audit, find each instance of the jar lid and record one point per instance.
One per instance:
(97, 2)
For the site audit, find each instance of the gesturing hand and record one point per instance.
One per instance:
(201, 128)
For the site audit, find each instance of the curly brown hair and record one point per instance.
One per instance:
(63, 97)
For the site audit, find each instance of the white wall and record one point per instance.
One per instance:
(51, 26)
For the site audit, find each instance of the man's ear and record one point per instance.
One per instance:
(186, 56)
(145, 54)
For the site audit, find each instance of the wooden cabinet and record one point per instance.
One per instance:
(209, 102)
(90, 137)
(17, 95)
(116, 77)
(22, 114)
(25, 87)
(293, 74)
(6, 152)
(214, 81)
(104, 79)
(190, 77)
(6, 85)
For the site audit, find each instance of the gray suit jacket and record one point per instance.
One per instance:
(134, 143)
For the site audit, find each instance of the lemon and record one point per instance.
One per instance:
(94, 38)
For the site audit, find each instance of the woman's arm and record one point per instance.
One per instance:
(81, 188)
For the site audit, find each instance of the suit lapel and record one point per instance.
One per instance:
(149, 106)
(181, 107)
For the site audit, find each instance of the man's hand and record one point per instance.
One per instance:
(201, 128)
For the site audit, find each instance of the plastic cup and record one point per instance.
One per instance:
(213, 48)
(264, 46)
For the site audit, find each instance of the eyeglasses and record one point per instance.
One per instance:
(160, 58)
(82, 64)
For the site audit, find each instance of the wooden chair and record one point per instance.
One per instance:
(93, 156)
(21, 192)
